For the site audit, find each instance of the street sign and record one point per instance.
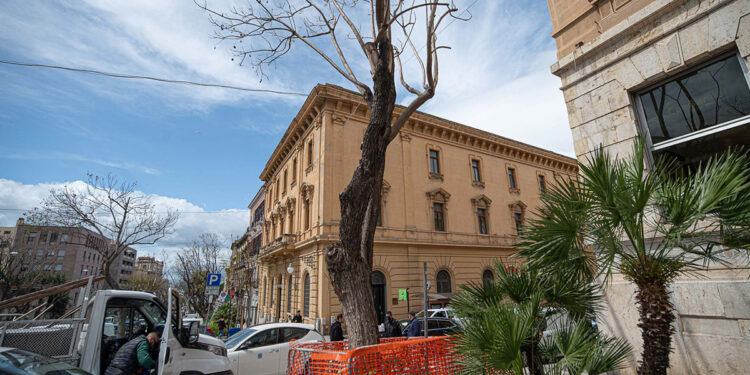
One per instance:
(213, 279)
(212, 290)
(223, 295)
(403, 295)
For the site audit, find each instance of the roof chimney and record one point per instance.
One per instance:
(19, 222)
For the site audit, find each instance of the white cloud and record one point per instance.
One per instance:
(16, 197)
(80, 158)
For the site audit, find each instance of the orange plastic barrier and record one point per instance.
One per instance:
(434, 355)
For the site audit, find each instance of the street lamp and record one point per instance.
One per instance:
(289, 269)
(14, 253)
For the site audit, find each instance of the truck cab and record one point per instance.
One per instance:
(115, 317)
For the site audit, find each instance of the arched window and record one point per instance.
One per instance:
(488, 276)
(307, 295)
(443, 282)
(289, 296)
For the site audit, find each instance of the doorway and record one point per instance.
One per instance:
(377, 280)
(278, 300)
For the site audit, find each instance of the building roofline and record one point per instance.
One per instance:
(321, 92)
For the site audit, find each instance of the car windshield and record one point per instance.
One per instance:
(17, 361)
(239, 337)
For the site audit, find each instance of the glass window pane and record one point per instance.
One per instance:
(706, 97)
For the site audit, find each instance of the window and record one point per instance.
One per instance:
(488, 276)
(443, 282)
(43, 237)
(276, 190)
(476, 176)
(289, 296)
(65, 238)
(47, 267)
(292, 334)
(61, 255)
(263, 338)
(542, 184)
(307, 214)
(437, 211)
(285, 174)
(310, 153)
(434, 162)
(512, 178)
(31, 237)
(39, 254)
(51, 253)
(58, 267)
(265, 289)
(518, 220)
(699, 113)
(306, 299)
(294, 170)
(482, 220)
(53, 237)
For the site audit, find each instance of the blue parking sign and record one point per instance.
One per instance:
(213, 279)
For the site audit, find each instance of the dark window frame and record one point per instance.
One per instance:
(512, 178)
(482, 220)
(434, 161)
(642, 123)
(438, 216)
(306, 295)
(445, 282)
(476, 170)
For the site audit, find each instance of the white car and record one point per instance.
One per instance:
(446, 312)
(263, 349)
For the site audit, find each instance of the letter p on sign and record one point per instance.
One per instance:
(213, 279)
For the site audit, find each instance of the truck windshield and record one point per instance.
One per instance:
(153, 313)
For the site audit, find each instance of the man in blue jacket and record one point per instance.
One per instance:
(415, 326)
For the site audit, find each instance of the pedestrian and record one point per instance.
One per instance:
(297, 318)
(337, 333)
(392, 326)
(222, 326)
(415, 326)
(135, 354)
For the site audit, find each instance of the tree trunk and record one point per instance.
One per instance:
(350, 261)
(533, 357)
(111, 282)
(656, 317)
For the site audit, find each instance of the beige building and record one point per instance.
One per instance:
(674, 72)
(148, 267)
(453, 196)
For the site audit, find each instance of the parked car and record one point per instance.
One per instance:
(20, 362)
(445, 312)
(263, 349)
(437, 327)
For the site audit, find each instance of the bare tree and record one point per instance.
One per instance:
(270, 29)
(192, 266)
(120, 215)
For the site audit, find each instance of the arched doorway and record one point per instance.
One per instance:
(278, 300)
(377, 280)
(487, 276)
(443, 282)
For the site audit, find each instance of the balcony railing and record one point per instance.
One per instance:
(285, 242)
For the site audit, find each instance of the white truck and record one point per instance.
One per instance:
(110, 319)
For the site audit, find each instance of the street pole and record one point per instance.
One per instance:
(424, 266)
(408, 309)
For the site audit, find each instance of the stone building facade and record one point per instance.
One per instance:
(453, 197)
(148, 267)
(674, 72)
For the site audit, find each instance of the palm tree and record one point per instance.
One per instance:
(505, 320)
(650, 227)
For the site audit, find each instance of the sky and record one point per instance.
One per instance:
(201, 150)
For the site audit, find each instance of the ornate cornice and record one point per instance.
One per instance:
(419, 124)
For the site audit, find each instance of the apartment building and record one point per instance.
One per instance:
(674, 72)
(68, 250)
(452, 196)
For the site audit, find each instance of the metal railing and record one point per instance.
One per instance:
(56, 338)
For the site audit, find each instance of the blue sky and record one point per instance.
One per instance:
(202, 149)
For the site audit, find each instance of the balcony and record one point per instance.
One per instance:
(278, 247)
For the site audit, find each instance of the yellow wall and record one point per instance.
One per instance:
(334, 121)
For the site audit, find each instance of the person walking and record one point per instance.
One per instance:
(135, 354)
(222, 326)
(337, 332)
(415, 326)
(392, 326)
(297, 318)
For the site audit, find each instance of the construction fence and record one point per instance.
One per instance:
(434, 355)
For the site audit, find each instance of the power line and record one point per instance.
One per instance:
(233, 211)
(163, 80)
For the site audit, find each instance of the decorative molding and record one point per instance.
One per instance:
(384, 191)
(481, 200)
(479, 184)
(405, 137)
(436, 176)
(339, 120)
(438, 195)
